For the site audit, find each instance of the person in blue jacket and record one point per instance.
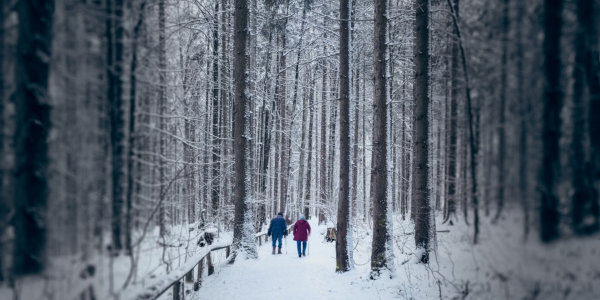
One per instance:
(277, 229)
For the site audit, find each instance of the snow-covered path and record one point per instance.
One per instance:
(287, 276)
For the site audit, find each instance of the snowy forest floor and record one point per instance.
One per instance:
(502, 266)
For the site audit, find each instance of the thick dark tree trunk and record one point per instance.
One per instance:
(117, 123)
(587, 15)
(379, 155)
(32, 121)
(552, 103)
(343, 222)
(240, 133)
(585, 197)
(420, 192)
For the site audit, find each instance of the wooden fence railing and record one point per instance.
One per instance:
(178, 284)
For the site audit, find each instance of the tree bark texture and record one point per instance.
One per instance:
(240, 113)
(342, 258)
(552, 103)
(420, 190)
(379, 170)
(32, 121)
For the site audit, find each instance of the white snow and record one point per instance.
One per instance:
(287, 276)
(502, 266)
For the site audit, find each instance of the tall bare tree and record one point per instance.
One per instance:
(502, 108)
(243, 235)
(585, 197)
(162, 106)
(379, 170)
(32, 119)
(343, 212)
(114, 31)
(323, 138)
(552, 103)
(420, 192)
(450, 209)
(216, 143)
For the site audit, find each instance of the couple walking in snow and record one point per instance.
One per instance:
(278, 229)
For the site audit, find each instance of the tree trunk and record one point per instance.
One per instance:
(552, 103)
(32, 121)
(266, 133)
(132, 131)
(587, 16)
(524, 110)
(323, 157)
(216, 105)
(585, 197)
(117, 126)
(452, 149)
(354, 205)
(343, 217)
(304, 109)
(243, 235)
(502, 118)
(307, 192)
(282, 87)
(473, 132)
(420, 190)
(364, 147)
(162, 104)
(379, 172)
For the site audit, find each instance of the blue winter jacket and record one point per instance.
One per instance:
(277, 227)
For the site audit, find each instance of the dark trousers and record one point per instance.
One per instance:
(277, 238)
(303, 248)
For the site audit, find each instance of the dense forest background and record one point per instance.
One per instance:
(134, 127)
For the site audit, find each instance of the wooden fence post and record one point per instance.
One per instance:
(178, 290)
(227, 251)
(198, 282)
(211, 268)
(189, 277)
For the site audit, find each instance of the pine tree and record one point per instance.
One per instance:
(343, 212)
(32, 119)
(420, 192)
(243, 235)
(552, 103)
(379, 170)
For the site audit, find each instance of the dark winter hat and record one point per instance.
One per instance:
(280, 214)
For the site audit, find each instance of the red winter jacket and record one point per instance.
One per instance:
(301, 230)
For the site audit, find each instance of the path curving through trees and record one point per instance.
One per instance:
(287, 276)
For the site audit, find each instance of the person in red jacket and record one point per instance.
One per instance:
(301, 233)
